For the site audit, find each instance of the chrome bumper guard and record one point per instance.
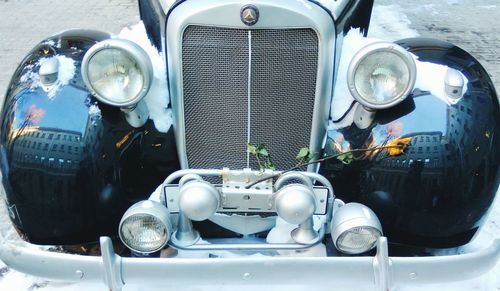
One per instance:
(381, 271)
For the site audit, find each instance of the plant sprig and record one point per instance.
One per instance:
(345, 157)
(262, 156)
(305, 155)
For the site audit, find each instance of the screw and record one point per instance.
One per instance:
(79, 274)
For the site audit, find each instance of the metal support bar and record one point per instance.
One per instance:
(214, 172)
(249, 246)
(111, 264)
(382, 266)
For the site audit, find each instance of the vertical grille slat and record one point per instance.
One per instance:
(215, 91)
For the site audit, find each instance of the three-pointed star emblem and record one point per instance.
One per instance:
(249, 15)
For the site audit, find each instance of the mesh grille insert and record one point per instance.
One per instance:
(215, 83)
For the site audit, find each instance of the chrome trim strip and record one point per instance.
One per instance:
(249, 89)
(273, 14)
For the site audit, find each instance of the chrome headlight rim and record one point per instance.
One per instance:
(360, 251)
(133, 50)
(373, 48)
(152, 209)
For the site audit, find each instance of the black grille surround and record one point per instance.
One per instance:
(243, 86)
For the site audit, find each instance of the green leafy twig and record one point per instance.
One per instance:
(305, 155)
(345, 157)
(262, 156)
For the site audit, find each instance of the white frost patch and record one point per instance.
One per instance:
(390, 23)
(431, 77)
(94, 110)
(49, 42)
(52, 43)
(488, 7)
(432, 9)
(94, 113)
(66, 73)
(157, 99)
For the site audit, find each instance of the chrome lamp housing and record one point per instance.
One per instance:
(145, 227)
(355, 229)
(117, 71)
(381, 75)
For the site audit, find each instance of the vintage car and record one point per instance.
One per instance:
(249, 142)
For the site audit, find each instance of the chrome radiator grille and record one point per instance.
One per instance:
(243, 86)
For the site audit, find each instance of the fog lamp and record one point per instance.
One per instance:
(295, 203)
(355, 229)
(199, 200)
(117, 71)
(145, 227)
(381, 75)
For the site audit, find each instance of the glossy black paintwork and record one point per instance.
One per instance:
(70, 164)
(439, 202)
(438, 192)
(356, 15)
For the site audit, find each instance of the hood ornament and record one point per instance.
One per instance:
(249, 15)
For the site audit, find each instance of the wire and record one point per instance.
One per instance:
(345, 113)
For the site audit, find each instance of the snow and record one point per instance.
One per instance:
(430, 77)
(388, 23)
(66, 73)
(94, 110)
(157, 99)
(488, 6)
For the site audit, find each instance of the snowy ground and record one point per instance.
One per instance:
(389, 22)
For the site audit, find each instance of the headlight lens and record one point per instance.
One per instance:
(381, 75)
(358, 240)
(117, 71)
(145, 227)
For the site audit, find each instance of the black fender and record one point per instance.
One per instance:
(72, 165)
(439, 192)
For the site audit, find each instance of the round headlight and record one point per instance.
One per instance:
(355, 229)
(145, 227)
(117, 71)
(381, 75)
(358, 240)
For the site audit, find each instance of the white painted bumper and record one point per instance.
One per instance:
(381, 271)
